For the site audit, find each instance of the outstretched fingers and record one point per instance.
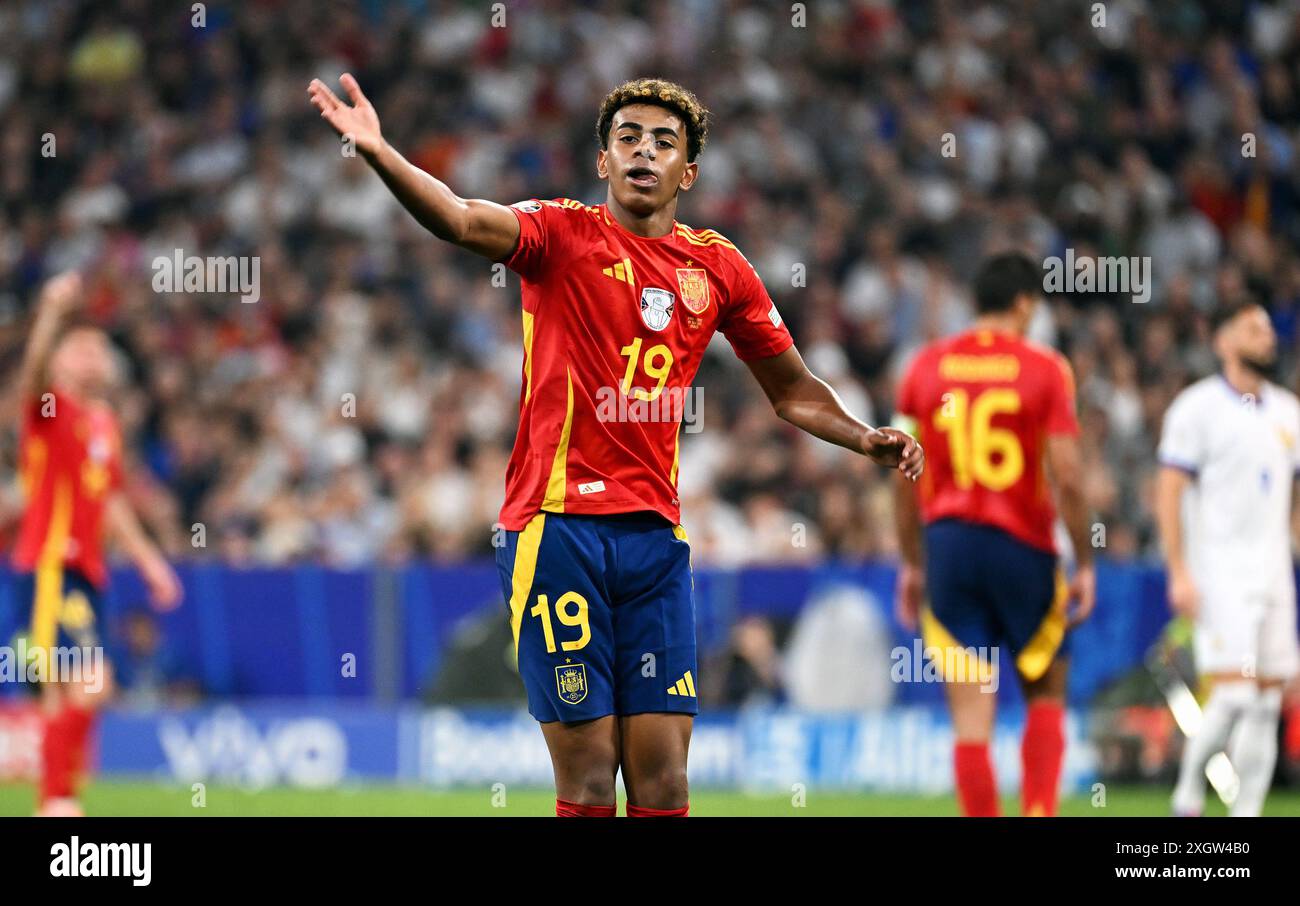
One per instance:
(354, 90)
(321, 96)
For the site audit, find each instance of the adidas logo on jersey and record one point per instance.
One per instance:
(621, 271)
(684, 686)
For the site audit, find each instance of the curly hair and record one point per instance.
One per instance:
(660, 93)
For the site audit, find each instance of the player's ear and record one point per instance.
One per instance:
(602, 164)
(689, 177)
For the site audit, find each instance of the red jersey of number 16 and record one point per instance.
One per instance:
(983, 404)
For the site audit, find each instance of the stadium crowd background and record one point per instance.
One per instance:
(826, 159)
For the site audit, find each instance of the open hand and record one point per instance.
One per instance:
(1083, 594)
(358, 121)
(165, 590)
(61, 293)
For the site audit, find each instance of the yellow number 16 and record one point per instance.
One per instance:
(980, 452)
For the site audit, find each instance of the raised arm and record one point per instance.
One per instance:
(59, 297)
(483, 227)
(808, 402)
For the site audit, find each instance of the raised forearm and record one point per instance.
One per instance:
(483, 227)
(56, 301)
(438, 209)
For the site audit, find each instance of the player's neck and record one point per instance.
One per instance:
(85, 395)
(1000, 324)
(1242, 378)
(654, 225)
(70, 389)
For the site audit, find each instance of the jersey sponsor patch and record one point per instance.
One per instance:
(656, 307)
(774, 316)
(591, 487)
(528, 207)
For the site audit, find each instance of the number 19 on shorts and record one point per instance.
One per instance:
(570, 610)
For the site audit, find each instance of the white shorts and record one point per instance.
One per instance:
(1248, 633)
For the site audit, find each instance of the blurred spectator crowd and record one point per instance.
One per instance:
(364, 407)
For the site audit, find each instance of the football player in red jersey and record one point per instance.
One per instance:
(619, 302)
(71, 471)
(996, 413)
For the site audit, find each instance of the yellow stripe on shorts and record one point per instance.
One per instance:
(521, 578)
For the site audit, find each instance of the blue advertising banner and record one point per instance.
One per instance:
(899, 749)
(380, 634)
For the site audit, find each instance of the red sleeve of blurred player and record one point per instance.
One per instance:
(751, 322)
(1061, 417)
(905, 403)
(71, 461)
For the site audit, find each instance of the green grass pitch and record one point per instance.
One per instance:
(118, 797)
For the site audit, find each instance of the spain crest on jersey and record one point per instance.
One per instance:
(571, 682)
(656, 307)
(693, 283)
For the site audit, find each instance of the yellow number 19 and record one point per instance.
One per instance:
(580, 618)
(658, 362)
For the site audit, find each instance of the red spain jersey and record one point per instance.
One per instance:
(615, 326)
(71, 458)
(983, 404)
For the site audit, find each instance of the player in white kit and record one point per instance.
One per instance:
(1231, 442)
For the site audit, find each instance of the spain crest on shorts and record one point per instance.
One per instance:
(656, 307)
(571, 682)
(693, 283)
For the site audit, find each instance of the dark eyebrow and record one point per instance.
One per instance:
(662, 130)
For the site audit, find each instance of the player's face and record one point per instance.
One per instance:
(1252, 338)
(645, 160)
(83, 361)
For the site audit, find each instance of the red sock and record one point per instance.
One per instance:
(63, 751)
(637, 811)
(79, 723)
(566, 809)
(977, 790)
(56, 776)
(1042, 749)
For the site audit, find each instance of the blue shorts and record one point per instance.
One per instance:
(988, 590)
(59, 608)
(603, 614)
